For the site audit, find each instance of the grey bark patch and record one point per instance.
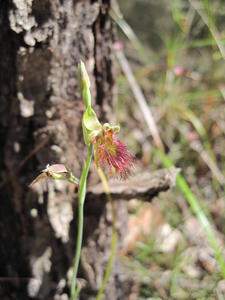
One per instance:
(20, 16)
(142, 186)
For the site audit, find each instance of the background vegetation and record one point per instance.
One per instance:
(177, 57)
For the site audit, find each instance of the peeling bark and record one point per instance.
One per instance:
(150, 185)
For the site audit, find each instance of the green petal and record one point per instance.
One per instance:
(115, 128)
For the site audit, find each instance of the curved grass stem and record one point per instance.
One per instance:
(114, 236)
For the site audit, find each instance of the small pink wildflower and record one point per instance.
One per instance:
(192, 136)
(110, 152)
(179, 71)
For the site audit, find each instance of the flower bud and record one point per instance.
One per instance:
(84, 84)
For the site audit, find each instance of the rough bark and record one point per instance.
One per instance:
(41, 43)
(143, 186)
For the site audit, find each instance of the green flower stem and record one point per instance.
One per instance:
(81, 200)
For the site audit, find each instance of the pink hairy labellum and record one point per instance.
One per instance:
(111, 153)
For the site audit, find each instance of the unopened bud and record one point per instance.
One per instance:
(84, 84)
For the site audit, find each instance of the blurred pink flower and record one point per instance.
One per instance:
(178, 71)
(192, 136)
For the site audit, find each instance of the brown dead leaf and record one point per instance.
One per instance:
(141, 225)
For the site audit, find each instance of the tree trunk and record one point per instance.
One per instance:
(41, 43)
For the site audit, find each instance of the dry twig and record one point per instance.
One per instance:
(139, 96)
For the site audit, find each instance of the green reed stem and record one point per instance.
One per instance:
(82, 194)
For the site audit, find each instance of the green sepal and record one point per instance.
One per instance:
(39, 177)
(85, 134)
(90, 120)
(90, 125)
(86, 95)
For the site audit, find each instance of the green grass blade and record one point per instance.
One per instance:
(131, 35)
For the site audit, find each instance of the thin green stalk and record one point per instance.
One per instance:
(114, 236)
(82, 195)
(130, 34)
(196, 208)
(208, 20)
